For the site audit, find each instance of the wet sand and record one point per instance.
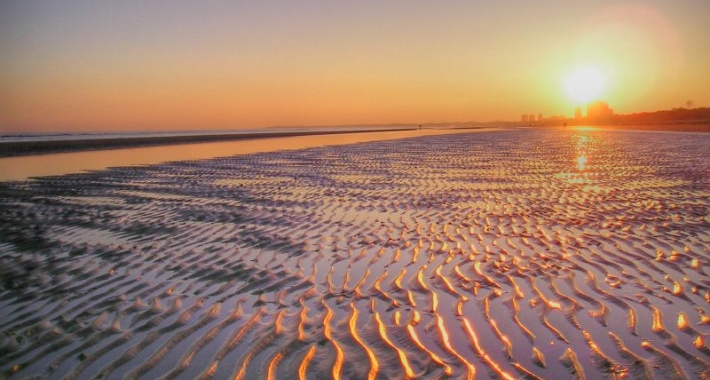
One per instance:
(514, 254)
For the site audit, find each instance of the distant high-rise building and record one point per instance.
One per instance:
(599, 110)
(578, 113)
(524, 118)
(539, 118)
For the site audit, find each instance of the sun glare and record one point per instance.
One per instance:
(584, 85)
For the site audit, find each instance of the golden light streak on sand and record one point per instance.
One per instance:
(377, 286)
(327, 332)
(409, 374)
(631, 320)
(278, 322)
(327, 319)
(519, 323)
(569, 358)
(433, 355)
(416, 317)
(358, 286)
(487, 307)
(507, 345)
(397, 318)
(340, 357)
(303, 315)
(477, 346)
(209, 372)
(477, 267)
(683, 321)
(538, 357)
(306, 361)
(398, 279)
(271, 372)
(553, 329)
(600, 313)
(695, 263)
(597, 351)
(527, 372)
(397, 254)
(415, 254)
(243, 367)
(420, 277)
(657, 320)
(374, 364)
(677, 289)
(410, 298)
(447, 344)
(449, 287)
(517, 291)
(242, 331)
(550, 303)
(457, 270)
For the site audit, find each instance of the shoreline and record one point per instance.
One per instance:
(28, 166)
(44, 147)
(31, 148)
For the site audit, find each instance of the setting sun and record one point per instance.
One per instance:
(584, 84)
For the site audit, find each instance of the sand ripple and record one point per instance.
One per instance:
(496, 255)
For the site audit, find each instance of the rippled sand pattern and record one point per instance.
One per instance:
(518, 254)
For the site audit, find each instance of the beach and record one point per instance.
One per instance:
(520, 253)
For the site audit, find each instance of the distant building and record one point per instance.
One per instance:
(539, 118)
(599, 110)
(531, 118)
(578, 113)
(524, 118)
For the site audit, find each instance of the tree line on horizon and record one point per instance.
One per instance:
(701, 114)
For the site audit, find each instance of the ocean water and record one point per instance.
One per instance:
(25, 167)
(69, 136)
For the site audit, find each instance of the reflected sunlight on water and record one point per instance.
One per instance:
(25, 167)
(582, 148)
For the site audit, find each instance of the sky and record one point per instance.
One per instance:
(85, 65)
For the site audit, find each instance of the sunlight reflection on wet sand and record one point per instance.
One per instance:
(457, 256)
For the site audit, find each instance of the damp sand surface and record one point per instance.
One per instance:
(502, 255)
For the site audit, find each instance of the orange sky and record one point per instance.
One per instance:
(82, 65)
